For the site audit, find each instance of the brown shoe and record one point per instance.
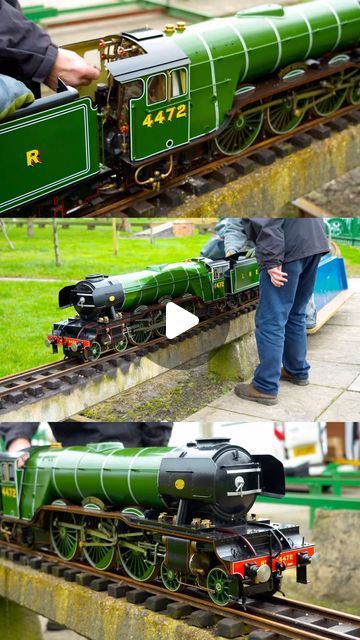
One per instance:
(248, 392)
(301, 382)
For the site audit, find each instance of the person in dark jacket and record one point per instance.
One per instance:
(28, 53)
(288, 252)
(18, 435)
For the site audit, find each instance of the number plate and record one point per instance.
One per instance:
(305, 450)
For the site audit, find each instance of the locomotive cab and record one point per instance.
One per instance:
(161, 108)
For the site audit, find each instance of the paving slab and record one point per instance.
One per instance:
(328, 351)
(355, 386)
(305, 403)
(333, 374)
(346, 407)
(210, 414)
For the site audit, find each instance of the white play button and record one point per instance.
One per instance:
(178, 320)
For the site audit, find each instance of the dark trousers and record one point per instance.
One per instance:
(281, 324)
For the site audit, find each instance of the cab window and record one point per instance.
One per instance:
(4, 473)
(7, 472)
(156, 88)
(11, 472)
(178, 83)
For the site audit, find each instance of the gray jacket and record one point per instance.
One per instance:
(26, 51)
(280, 240)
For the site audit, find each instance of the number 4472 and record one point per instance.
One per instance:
(165, 115)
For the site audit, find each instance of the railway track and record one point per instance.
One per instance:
(280, 615)
(45, 380)
(217, 173)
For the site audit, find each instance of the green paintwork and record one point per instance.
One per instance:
(66, 138)
(169, 280)
(245, 275)
(314, 502)
(229, 53)
(118, 476)
(168, 119)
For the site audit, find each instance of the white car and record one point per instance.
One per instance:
(299, 445)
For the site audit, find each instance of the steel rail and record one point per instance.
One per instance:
(253, 613)
(15, 384)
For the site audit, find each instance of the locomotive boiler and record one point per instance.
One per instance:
(168, 100)
(178, 514)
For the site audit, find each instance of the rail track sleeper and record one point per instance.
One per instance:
(179, 610)
(54, 383)
(196, 186)
(225, 174)
(202, 619)
(230, 628)
(302, 140)
(283, 149)
(46, 567)
(99, 584)
(84, 579)
(142, 209)
(173, 197)
(58, 571)
(118, 589)
(14, 556)
(23, 560)
(212, 183)
(88, 372)
(321, 132)
(70, 574)
(71, 378)
(137, 596)
(15, 397)
(36, 390)
(353, 117)
(264, 157)
(244, 166)
(157, 603)
(340, 124)
(261, 634)
(35, 562)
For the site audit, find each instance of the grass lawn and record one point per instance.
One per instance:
(31, 307)
(351, 256)
(83, 251)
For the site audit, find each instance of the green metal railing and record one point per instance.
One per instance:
(38, 13)
(345, 229)
(325, 491)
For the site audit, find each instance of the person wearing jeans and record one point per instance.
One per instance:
(288, 252)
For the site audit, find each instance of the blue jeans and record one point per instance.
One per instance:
(281, 324)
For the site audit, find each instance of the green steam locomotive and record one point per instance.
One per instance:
(179, 514)
(168, 100)
(115, 312)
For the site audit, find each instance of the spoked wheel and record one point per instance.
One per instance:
(160, 321)
(353, 95)
(332, 101)
(188, 304)
(241, 133)
(140, 331)
(286, 116)
(93, 352)
(99, 548)
(222, 589)
(170, 578)
(64, 535)
(122, 344)
(135, 562)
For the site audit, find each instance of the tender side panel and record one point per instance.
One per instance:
(44, 152)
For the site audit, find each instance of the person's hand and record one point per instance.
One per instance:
(18, 445)
(277, 276)
(72, 69)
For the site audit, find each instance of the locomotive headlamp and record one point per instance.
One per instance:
(258, 574)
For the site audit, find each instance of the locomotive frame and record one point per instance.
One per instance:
(173, 514)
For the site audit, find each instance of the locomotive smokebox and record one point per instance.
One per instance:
(223, 477)
(97, 294)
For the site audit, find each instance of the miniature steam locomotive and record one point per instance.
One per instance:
(176, 513)
(115, 312)
(168, 100)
